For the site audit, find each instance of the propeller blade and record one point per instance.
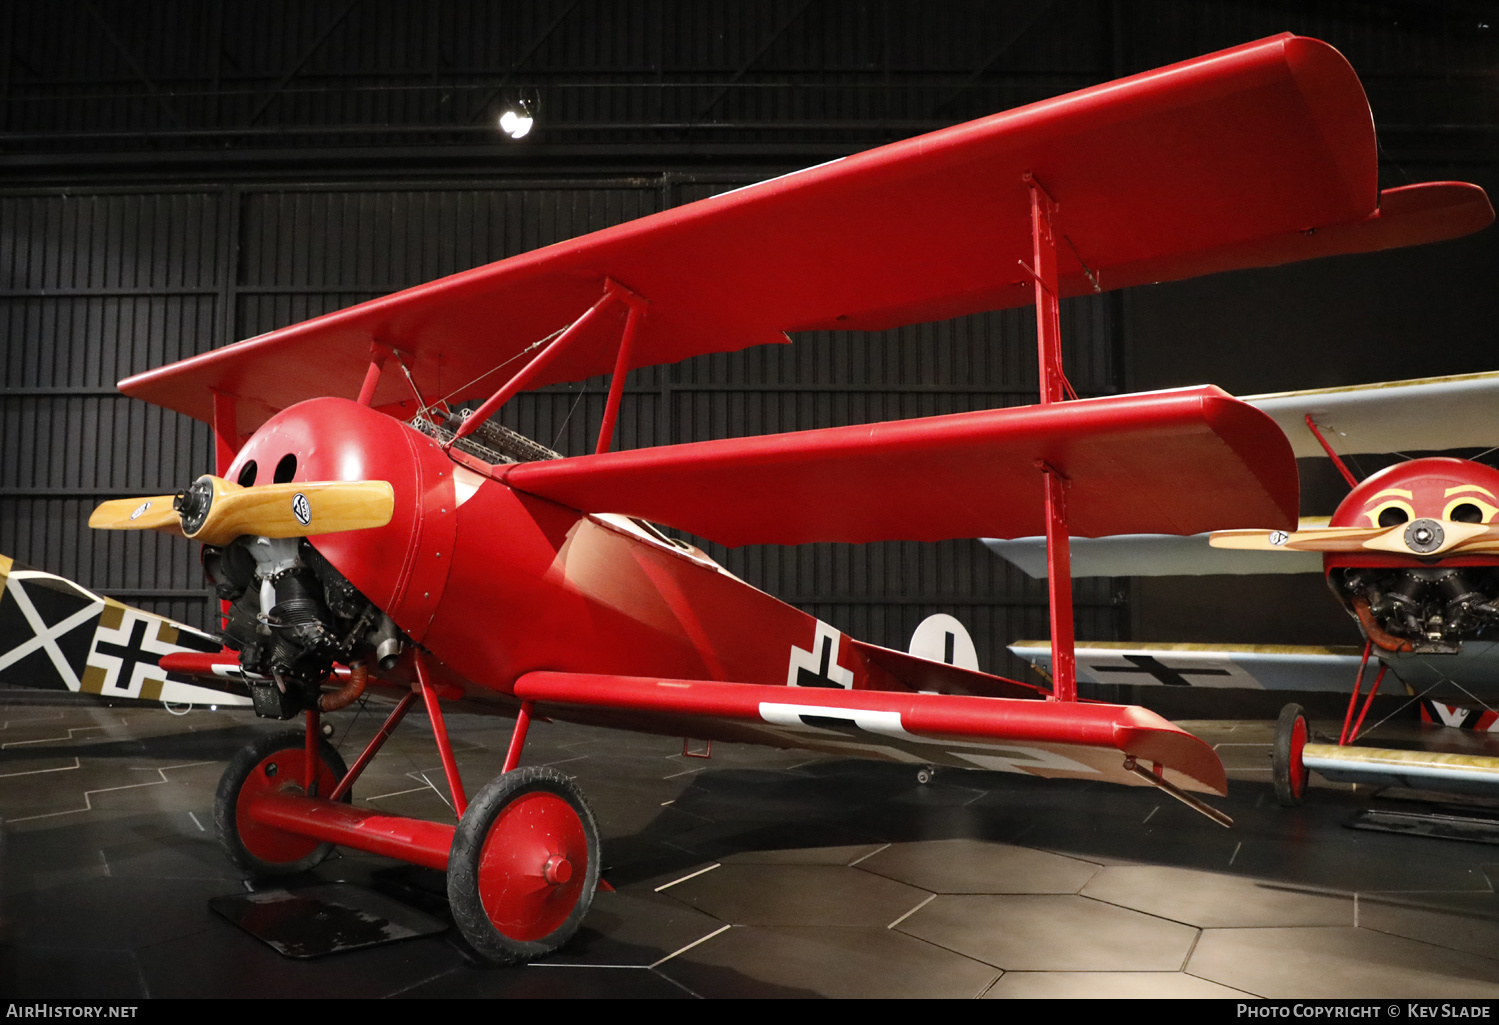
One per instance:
(298, 509)
(155, 513)
(216, 511)
(1486, 543)
(1427, 537)
(1316, 539)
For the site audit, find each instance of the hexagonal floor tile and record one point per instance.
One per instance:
(1052, 933)
(871, 963)
(1107, 986)
(1214, 899)
(1333, 963)
(797, 895)
(972, 866)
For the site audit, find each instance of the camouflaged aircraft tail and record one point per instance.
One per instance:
(57, 635)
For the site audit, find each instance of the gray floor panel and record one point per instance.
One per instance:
(1217, 899)
(835, 877)
(829, 962)
(1052, 933)
(1340, 962)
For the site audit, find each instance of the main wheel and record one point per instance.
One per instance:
(1287, 769)
(275, 762)
(524, 865)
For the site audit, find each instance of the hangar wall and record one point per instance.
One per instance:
(97, 284)
(178, 174)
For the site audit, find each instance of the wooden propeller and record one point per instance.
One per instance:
(155, 513)
(1427, 538)
(216, 511)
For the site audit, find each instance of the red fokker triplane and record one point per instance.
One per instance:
(363, 533)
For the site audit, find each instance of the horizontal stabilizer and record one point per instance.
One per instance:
(1170, 462)
(1051, 739)
(1248, 666)
(1258, 155)
(1431, 414)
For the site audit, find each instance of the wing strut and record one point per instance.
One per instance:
(1054, 388)
(613, 292)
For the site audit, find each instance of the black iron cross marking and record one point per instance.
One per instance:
(130, 654)
(807, 678)
(1165, 674)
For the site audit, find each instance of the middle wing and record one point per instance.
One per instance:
(1231, 666)
(1170, 462)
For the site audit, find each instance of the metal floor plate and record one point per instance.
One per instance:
(326, 919)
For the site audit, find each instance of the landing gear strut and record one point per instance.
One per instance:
(522, 863)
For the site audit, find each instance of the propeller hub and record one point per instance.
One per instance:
(193, 504)
(1424, 536)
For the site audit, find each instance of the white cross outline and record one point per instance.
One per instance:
(46, 637)
(142, 672)
(811, 661)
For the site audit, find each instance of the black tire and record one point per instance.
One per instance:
(274, 762)
(1286, 768)
(509, 849)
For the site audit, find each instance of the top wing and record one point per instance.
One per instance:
(1423, 415)
(1258, 155)
(1169, 462)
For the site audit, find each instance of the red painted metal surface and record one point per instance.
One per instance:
(312, 762)
(372, 748)
(403, 566)
(1259, 155)
(1126, 729)
(1420, 488)
(275, 775)
(315, 820)
(1298, 769)
(1368, 702)
(440, 734)
(533, 866)
(518, 736)
(1059, 586)
(1337, 460)
(1176, 462)
(1358, 686)
(621, 370)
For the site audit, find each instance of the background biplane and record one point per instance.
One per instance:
(357, 517)
(1410, 553)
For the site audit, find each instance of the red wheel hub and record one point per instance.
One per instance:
(276, 772)
(529, 877)
(1297, 766)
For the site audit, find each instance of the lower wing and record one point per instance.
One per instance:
(1036, 737)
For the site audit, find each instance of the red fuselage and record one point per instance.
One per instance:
(497, 583)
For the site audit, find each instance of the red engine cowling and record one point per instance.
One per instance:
(1410, 603)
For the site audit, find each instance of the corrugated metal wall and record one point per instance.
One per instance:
(98, 285)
